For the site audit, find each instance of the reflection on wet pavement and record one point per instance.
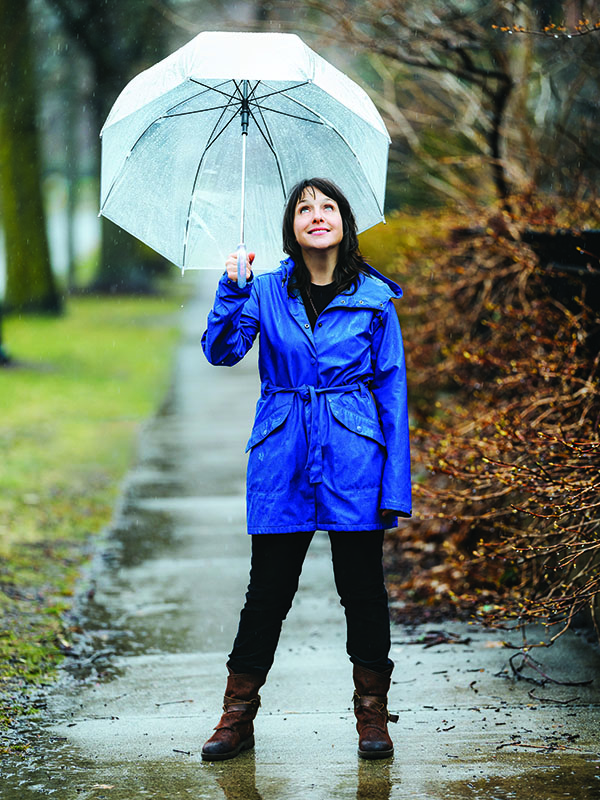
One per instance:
(374, 781)
(544, 778)
(238, 781)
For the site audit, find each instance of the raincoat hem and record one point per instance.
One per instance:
(323, 526)
(396, 507)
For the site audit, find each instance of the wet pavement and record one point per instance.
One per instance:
(159, 612)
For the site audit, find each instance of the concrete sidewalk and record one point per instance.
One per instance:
(130, 720)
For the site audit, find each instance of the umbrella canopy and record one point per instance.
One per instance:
(172, 146)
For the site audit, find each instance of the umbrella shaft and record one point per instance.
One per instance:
(244, 140)
(245, 107)
(245, 120)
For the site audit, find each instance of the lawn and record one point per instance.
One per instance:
(70, 412)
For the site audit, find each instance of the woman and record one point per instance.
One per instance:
(329, 449)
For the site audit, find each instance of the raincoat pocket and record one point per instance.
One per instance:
(355, 452)
(270, 414)
(272, 448)
(357, 413)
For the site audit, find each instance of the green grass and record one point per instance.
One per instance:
(70, 412)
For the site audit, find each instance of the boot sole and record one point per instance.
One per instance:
(373, 754)
(247, 744)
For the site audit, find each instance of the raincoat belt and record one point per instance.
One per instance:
(308, 393)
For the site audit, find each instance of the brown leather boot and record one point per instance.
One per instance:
(235, 731)
(370, 709)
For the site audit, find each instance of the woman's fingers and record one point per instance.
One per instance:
(232, 269)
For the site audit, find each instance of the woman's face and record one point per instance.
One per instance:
(318, 223)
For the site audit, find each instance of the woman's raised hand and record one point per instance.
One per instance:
(231, 266)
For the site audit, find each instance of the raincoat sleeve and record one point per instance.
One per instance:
(389, 390)
(233, 323)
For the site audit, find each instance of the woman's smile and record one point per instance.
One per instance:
(318, 231)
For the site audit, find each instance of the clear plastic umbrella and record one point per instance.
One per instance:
(200, 150)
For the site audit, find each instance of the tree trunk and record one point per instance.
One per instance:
(30, 283)
(121, 270)
(4, 357)
(499, 99)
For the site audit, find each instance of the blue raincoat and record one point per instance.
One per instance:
(329, 448)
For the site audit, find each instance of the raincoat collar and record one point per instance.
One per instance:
(397, 291)
(371, 292)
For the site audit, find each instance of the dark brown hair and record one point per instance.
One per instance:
(350, 263)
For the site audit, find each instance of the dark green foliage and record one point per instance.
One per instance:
(30, 283)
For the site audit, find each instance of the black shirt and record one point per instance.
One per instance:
(321, 296)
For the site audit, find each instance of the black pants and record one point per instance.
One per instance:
(277, 561)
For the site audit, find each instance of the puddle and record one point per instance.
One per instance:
(552, 776)
(139, 535)
(183, 778)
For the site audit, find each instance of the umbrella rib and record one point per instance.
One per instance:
(210, 142)
(280, 91)
(266, 134)
(216, 89)
(229, 97)
(291, 116)
(193, 97)
(197, 111)
(305, 107)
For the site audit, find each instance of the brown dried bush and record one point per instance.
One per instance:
(503, 371)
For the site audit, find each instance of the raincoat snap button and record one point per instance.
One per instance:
(359, 427)
(320, 324)
(306, 325)
(361, 302)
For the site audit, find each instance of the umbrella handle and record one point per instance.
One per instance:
(241, 265)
